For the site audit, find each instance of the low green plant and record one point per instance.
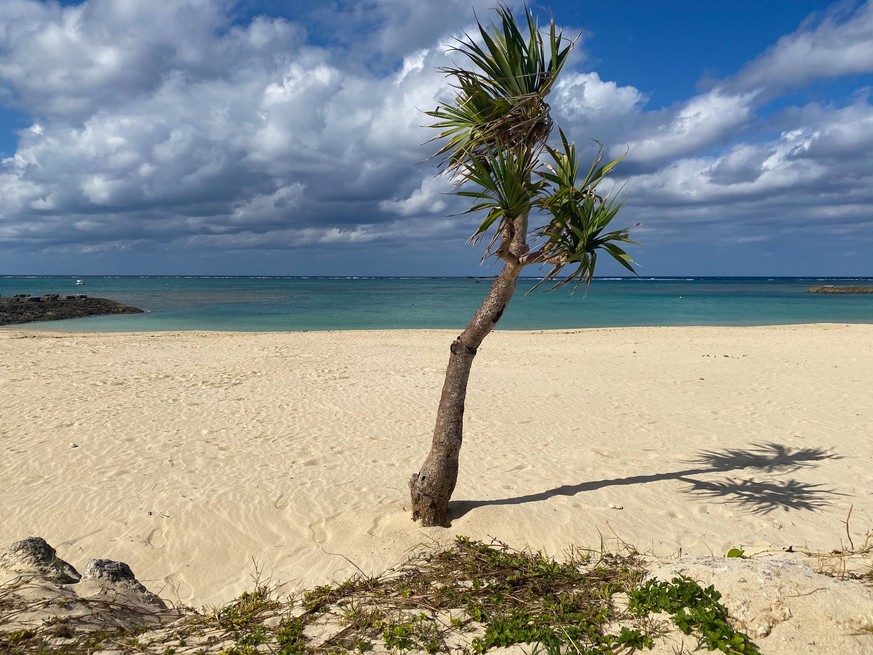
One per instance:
(18, 636)
(472, 598)
(419, 632)
(245, 611)
(319, 598)
(693, 610)
(289, 636)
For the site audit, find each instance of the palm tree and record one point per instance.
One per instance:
(496, 133)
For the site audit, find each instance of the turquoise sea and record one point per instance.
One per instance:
(322, 303)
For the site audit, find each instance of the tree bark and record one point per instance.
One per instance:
(432, 487)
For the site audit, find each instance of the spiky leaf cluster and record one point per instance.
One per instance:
(495, 132)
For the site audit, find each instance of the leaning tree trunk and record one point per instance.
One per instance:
(432, 487)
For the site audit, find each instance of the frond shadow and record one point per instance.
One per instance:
(759, 497)
(766, 496)
(766, 457)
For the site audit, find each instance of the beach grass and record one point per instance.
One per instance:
(470, 598)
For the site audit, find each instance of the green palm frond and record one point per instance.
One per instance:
(501, 101)
(564, 170)
(505, 188)
(578, 229)
(576, 238)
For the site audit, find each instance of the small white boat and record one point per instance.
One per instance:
(80, 283)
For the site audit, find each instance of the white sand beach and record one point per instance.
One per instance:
(198, 458)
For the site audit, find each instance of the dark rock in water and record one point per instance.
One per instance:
(51, 307)
(34, 555)
(839, 290)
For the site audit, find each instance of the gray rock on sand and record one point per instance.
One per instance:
(106, 575)
(112, 572)
(42, 591)
(35, 556)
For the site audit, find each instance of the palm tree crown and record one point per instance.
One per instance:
(495, 132)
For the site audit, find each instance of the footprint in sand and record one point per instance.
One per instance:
(155, 539)
(319, 534)
(280, 502)
(377, 527)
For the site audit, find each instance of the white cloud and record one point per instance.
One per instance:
(703, 121)
(839, 45)
(266, 209)
(585, 98)
(411, 63)
(587, 107)
(428, 198)
(166, 124)
(70, 61)
(382, 32)
(814, 176)
(244, 126)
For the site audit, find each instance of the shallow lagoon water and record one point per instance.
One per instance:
(320, 303)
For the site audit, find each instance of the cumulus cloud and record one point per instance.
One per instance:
(841, 43)
(428, 198)
(68, 62)
(728, 167)
(815, 176)
(592, 108)
(237, 129)
(177, 125)
(377, 33)
(697, 124)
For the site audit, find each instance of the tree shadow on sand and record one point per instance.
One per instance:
(760, 497)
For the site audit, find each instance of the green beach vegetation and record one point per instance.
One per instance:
(495, 135)
(471, 598)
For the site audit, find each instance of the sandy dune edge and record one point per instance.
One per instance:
(203, 455)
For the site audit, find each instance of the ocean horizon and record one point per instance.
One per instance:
(295, 303)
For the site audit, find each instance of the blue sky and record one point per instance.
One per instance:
(285, 138)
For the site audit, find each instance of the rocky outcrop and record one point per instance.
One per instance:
(106, 577)
(22, 308)
(45, 597)
(34, 557)
(839, 290)
(111, 572)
